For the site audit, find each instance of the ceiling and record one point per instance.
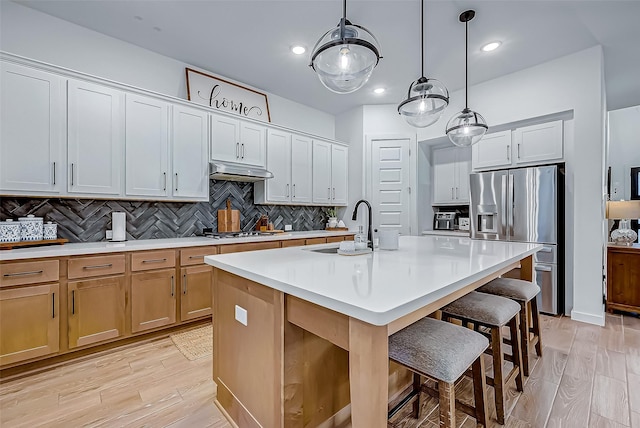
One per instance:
(249, 41)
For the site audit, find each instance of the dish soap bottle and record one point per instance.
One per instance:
(360, 239)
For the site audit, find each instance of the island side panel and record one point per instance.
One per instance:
(248, 359)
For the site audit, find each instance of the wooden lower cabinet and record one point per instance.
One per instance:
(95, 310)
(29, 322)
(196, 296)
(623, 278)
(153, 300)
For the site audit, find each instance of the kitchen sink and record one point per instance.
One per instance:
(333, 250)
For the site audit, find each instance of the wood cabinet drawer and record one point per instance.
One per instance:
(86, 267)
(313, 241)
(147, 260)
(292, 243)
(331, 239)
(22, 273)
(195, 256)
(250, 246)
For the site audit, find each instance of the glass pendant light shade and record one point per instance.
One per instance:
(425, 102)
(345, 57)
(466, 128)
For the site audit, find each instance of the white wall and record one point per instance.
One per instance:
(33, 34)
(571, 83)
(624, 149)
(349, 127)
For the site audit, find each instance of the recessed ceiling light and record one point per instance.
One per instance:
(491, 46)
(137, 18)
(157, 29)
(379, 90)
(298, 50)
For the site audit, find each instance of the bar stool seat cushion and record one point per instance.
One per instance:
(484, 308)
(437, 349)
(516, 289)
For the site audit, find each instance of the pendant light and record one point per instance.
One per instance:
(345, 57)
(426, 98)
(467, 127)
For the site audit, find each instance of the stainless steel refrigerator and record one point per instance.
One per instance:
(525, 205)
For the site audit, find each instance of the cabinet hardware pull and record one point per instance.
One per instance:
(334, 193)
(165, 181)
(294, 190)
(176, 181)
(287, 192)
(53, 305)
(72, 174)
(457, 193)
(196, 257)
(452, 197)
(328, 192)
(237, 150)
(518, 150)
(172, 286)
(54, 173)
(33, 272)
(508, 153)
(543, 269)
(155, 261)
(106, 265)
(184, 284)
(73, 302)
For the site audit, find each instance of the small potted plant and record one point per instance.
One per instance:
(333, 220)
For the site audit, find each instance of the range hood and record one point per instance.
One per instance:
(232, 172)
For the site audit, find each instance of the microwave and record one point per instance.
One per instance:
(444, 221)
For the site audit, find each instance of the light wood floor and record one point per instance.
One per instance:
(589, 377)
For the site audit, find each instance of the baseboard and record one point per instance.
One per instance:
(588, 318)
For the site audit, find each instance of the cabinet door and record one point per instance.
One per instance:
(444, 172)
(279, 163)
(225, 139)
(29, 322)
(147, 146)
(32, 132)
(95, 309)
(189, 145)
(153, 299)
(321, 172)
(301, 171)
(95, 138)
(252, 144)
(538, 143)
(494, 150)
(463, 168)
(196, 298)
(339, 160)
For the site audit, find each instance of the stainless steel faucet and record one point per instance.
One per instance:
(354, 217)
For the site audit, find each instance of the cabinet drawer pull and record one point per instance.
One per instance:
(184, 284)
(54, 173)
(154, 261)
(237, 150)
(34, 272)
(73, 302)
(106, 265)
(543, 269)
(172, 286)
(196, 257)
(53, 305)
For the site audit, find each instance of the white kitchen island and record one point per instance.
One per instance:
(272, 307)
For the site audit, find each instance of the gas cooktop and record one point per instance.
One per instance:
(209, 233)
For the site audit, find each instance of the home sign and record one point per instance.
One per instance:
(226, 96)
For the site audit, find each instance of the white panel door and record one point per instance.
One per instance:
(301, 172)
(225, 139)
(146, 147)
(391, 184)
(339, 186)
(95, 138)
(31, 130)
(252, 144)
(494, 150)
(321, 172)
(189, 146)
(279, 163)
(463, 168)
(444, 175)
(538, 143)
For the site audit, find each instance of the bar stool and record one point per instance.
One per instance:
(524, 293)
(441, 352)
(493, 312)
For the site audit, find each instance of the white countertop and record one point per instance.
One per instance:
(460, 233)
(380, 287)
(152, 244)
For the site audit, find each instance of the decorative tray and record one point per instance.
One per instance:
(22, 244)
(354, 253)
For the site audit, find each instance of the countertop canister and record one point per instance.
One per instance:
(50, 230)
(9, 231)
(31, 228)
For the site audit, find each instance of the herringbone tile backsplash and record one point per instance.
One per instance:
(86, 220)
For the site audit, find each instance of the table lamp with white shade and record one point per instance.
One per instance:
(623, 211)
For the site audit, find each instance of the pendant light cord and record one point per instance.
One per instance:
(466, 64)
(344, 9)
(422, 37)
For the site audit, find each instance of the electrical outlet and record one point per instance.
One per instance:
(241, 315)
(109, 234)
(287, 227)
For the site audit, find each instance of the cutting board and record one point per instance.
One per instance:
(228, 220)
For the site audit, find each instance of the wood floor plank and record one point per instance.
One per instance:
(581, 362)
(635, 420)
(634, 392)
(597, 421)
(550, 367)
(613, 340)
(571, 406)
(633, 362)
(560, 339)
(632, 340)
(631, 322)
(611, 364)
(534, 405)
(610, 399)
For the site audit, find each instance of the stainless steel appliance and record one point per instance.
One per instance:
(525, 205)
(444, 221)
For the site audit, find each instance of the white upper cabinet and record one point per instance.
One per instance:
(147, 146)
(538, 143)
(32, 131)
(278, 188)
(234, 140)
(493, 151)
(339, 161)
(189, 150)
(95, 139)
(451, 167)
(321, 172)
(301, 173)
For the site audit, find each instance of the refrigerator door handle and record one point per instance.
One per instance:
(510, 207)
(503, 210)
